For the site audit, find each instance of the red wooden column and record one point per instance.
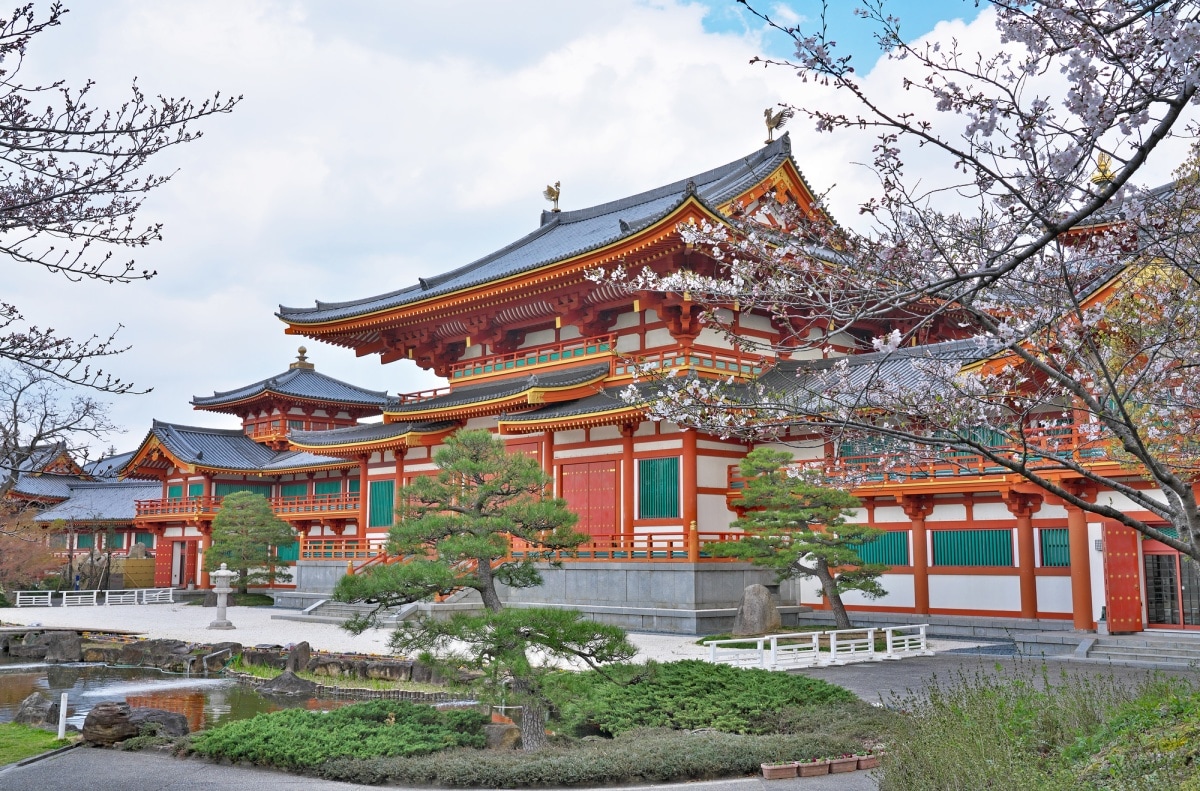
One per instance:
(689, 505)
(1023, 507)
(1081, 568)
(628, 496)
(364, 499)
(916, 509)
(548, 458)
(399, 498)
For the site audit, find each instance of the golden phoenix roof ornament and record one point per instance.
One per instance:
(551, 194)
(1104, 171)
(776, 121)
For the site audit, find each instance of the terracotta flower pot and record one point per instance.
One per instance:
(868, 761)
(843, 764)
(812, 768)
(778, 771)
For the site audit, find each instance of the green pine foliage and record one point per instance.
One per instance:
(304, 740)
(243, 533)
(686, 695)
(797, 528)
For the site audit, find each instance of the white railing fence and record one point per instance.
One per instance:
(91, 598)
(815, 649)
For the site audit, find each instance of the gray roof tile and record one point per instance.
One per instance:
(299, 383)
(566, 234)
(230, 449)
(506, 388)
(106, 500)
(368, 432)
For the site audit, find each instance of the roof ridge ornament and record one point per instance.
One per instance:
(301, 363)
(1104, 171)
(776, 121)
(552, 193)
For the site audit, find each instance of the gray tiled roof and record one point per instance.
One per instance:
(506, 388)
(107, 500)
(368, 432)
(47, 485)
(606, 400)
(230, 449)
(109, 466)
(299, 383)
(566, 234)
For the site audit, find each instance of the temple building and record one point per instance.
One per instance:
(535, 351)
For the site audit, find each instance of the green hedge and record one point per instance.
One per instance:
(301, 739)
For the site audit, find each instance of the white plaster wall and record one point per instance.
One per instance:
(487, 422)
(627, 319)
(659, 337)
(666, 444)
(569, 437)
(376, 458)
(172, 532)
(1096, 533)
(538, 338)
(295, 411)
(712, 513)
(992, 511)
(1051, 512)
(593, 450)
(389, 456)
(629, 343)
(974, 592)
(568, 333)
(416, 453)
(344, 415)
(711, 445)
(714, 338)
(948, 512)
(711, 472)
(602, 433)
(899, 589)
(645, 429)
(754, 322)
(801, 450)
(859, 515)
(667, 427)
(472, 351)
(891, 513)
(417, 468)
(1123, 503)
(320, 413)
(1054, 594)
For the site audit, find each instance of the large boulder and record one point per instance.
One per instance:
(298, 657)
(37, 710)
(108, 723)
(165, 723)
(32, 646)
(288, 683)
(64, 647)
(502, 735)
(758, 612)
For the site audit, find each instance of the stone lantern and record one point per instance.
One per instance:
(221, 587)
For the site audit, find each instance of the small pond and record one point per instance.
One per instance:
(205, 701)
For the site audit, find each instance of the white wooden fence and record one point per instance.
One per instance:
(813, 649)
(92, 598)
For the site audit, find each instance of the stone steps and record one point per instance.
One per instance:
(340, 612)
(1143, 649)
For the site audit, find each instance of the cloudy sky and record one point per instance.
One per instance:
(382, 141)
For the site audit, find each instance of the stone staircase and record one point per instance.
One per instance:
(1175, 650)
(338, 613)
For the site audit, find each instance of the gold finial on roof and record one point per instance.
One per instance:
(1104, 172)
(776, 121)
(302, 360)
(551, 194)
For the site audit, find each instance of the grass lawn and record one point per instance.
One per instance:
(18, 742)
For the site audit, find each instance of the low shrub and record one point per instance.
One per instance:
(639, 756)
(685, 695)
(300, 739)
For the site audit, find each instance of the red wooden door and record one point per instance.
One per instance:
(162, 564)
(1122, 579)
(590, 489)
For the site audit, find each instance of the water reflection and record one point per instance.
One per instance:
(204, 701)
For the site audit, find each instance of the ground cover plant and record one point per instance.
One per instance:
(18, 742)
(303, 740)
(1027, 728)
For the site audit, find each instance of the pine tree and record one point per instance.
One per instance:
(243, 533)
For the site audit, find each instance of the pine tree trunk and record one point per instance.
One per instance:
(487, 585)
(533, 726)
(829, 588)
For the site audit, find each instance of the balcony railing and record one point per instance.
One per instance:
(342, 549)
(877, 462)
(719, 362)
(302, 506)
(678, 546)
(578, 350)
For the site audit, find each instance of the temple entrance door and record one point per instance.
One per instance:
(1172, 590)
(590, 489)
(1122, 579)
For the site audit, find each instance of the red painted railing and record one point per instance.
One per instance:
(311, 505)
(720, 362)
(658, 546)
(577, 350)
(351, 549)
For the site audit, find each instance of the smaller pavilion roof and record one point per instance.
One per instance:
(365, 434)
(96, 501)
(469, 395)
(301, 381)
(229, 449)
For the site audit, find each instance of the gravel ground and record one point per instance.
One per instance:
(254, 626)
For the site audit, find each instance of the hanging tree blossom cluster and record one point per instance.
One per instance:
(1032, 313)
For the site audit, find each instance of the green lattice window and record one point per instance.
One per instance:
(1055, 548)
(85, 541)
(327, 488)
(891, 549)
(293, 490)
(175, 491)
(226, 489)
(353, 485)
(115, 541)
(658, 488)
(972, 547)
(288, 552)
(196, 489)
(382, 507)
(145, 539)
